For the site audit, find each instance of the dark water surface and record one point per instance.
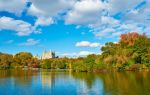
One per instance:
(20, 82)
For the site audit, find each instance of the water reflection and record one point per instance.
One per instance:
(20, 82)
(17, 76)
(127, 83)
(47, 79)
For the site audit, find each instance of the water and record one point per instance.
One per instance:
(19, 82)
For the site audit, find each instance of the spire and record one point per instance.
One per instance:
(49, 54)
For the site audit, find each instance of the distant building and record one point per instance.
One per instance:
(37, 56)
(48, 55)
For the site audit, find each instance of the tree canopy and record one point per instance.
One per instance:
(132, 51)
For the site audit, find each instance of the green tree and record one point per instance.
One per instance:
(23, 58)
(46, 64)
(5, 60)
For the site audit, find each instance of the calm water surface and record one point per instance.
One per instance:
(20, 82)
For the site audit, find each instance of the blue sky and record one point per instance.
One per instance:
(69, 27)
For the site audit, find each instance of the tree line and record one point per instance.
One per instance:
(132, 52)
(18, 61)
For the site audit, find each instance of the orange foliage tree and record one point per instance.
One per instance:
(130, 38)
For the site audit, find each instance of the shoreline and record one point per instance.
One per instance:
(102, 70)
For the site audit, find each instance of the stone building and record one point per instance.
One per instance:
(48, 55)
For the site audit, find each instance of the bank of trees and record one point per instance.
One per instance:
(19, 60)
(56, 63)
(131, 52)
(5, 60)
(133, 48)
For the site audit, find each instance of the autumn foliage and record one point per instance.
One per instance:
(132, 52)
(131, 37)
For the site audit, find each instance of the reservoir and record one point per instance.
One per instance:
(47, 82)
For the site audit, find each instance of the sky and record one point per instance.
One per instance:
(69, 27)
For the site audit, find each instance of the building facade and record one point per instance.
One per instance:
(48, 55)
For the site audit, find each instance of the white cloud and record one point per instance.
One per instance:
(13, 6)
(116, 6)
(84, 53)
(43, 21)
(44, 10)
(85, 12)
(87, 44)
(30, 42)
(95, 45)
(21, 27)
(111, 32)
(77, 54)
(131, 26)
(109, 20)
(68, 55)
(101, 19)
(105, 32)
(49, 7)
(139, 15)
(83, 44)
(35, 11)
(105, 18)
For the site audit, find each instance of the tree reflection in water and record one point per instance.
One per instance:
(21, 77)
(119, 83)
(48, 82)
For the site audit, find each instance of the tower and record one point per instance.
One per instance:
(48, 55)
